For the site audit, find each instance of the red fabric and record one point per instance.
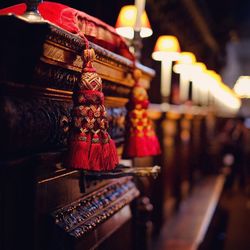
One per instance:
(78, 22)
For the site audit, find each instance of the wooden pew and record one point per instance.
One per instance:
(186, 229)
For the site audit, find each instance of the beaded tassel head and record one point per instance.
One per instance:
(90, 146)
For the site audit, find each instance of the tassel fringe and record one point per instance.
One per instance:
(78, 153)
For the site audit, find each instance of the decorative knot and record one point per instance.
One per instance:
(91, 81)
(89, 55)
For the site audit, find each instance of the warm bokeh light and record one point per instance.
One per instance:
(214, 75)
(186, 58)
(126, 22)
(199, 67)
(242, 87)
(227, 96)
(184, 63)
(199, 86)
(166, 48)
(224, 96)
(184, 67)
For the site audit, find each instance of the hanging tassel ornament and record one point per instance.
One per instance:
(141, 140)
(90, 146)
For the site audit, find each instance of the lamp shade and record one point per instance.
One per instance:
(227, 97)
(185, 62)
(126, 20)
(184, 68)
(199, 88)
(214, 75)
(242, 87)
(186, 58)
(199, 67)
(223, 94)
(166, 47)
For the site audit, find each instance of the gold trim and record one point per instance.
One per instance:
(57, 54)
(61, 46)
(54, 55)
(60, 91)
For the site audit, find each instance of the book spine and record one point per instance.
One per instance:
(36, 124)
(52, 76)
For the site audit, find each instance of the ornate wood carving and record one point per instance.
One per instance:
(122, 171)
(106, 67)
(54, 76)
(37, 124)
(60, 55)
(86, 214)
(57, 47)
(75, 43)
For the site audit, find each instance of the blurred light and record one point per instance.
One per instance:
(227, 96)
(186, 59)
(199, 67)
(166, 48)
(223, 94)
(199, 87)
(184, 68)
(214, 75)
(125, 23)
(196, 71)
(242, 87)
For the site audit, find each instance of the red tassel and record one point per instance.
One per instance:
(78, 153)
(90, 116)
(105, 156)
(155, 149)
(109, 153)
(142, 141)
(156, 144)
(105, 152)
(137, 147)
(114, 160)
(95, 156)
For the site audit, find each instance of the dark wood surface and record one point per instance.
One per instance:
(230, 226)
(186, 228)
